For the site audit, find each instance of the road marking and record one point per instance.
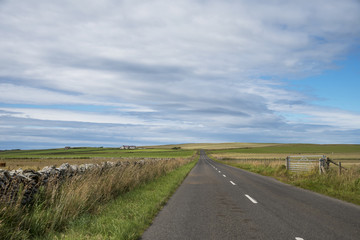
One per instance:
(232, 183)
(298, 238)
(251, 199)
(224, 175)
(219, 171)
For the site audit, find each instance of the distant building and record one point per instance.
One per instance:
(67, 148)
(128, 147)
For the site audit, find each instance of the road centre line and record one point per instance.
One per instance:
(298, 238)
(219, 171)
(224, 175)
(232, 183)
(251, 199)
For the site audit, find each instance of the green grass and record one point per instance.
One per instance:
(297, 149)
(128, 216)
(345, 187)
(209, 146)
(84, 153)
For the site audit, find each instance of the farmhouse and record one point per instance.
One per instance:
(128, 147)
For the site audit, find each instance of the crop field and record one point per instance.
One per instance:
(347, 154)
(37, 159)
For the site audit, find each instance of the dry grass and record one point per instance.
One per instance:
(347, 159)
(345, 186)
(59, 203)
(257, 162)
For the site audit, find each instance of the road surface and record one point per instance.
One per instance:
(217, 201)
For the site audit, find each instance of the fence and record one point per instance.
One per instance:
(305, 163)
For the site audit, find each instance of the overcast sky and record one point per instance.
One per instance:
(110, 72)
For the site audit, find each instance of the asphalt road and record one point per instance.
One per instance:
(217, 201)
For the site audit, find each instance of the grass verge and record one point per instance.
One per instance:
(128, 216)
(62, 202)
(345, 187)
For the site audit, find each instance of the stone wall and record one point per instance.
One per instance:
(29, 181)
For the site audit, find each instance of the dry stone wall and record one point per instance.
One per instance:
(29, 181)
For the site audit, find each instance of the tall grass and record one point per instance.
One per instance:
(59, 203)
(130, 214)
(345, 186)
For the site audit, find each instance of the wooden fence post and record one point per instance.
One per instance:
(339, 168)
(321, 166)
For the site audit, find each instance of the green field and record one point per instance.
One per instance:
(210, 146)
(297, 149)
(94, 152)
(39, 158)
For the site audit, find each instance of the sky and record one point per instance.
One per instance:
(113, 72)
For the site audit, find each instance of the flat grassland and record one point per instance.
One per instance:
(210, 146)
(37, 159)
(346, 153)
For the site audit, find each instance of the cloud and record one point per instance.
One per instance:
(194, 70)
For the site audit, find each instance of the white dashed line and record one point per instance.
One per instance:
(299, 238)
(219, 171)
(251, 199)
(232, 183)
(224, 175)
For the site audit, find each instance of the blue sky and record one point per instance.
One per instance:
(107, 73)
(338, 87)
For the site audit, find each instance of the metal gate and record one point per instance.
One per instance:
(304, 163)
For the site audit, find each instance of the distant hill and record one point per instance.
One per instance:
(214, 145)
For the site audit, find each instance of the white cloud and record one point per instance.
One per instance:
(10, 93)
(71, 116)
(177, 65)
(337, 119)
